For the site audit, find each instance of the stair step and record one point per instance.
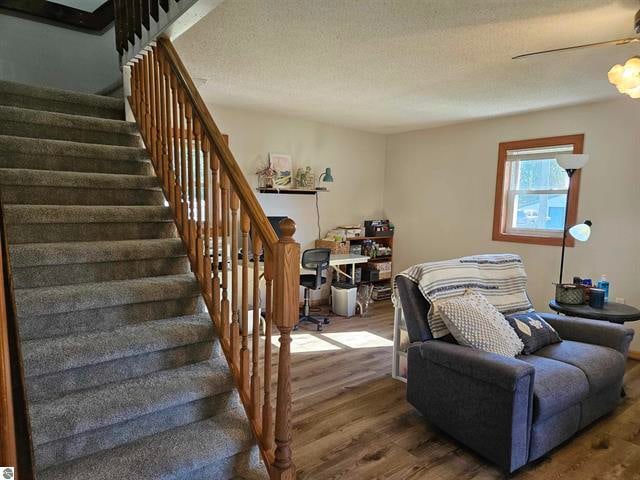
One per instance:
(62, 155)
(63, 101)
(65, 253)
(54, 223)
(22, 122)
(115, 403)
(90, 442)
(43, 187)
(88, 296)
(168, 455)
(245, 465)
(174, 304)
(50, 264)
(55, 354)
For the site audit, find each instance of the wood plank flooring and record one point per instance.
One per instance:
(351, 419)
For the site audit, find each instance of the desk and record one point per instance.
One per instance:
(338, 259)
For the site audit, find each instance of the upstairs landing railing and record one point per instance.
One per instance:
(229, 240)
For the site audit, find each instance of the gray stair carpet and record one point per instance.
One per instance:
(124, 371)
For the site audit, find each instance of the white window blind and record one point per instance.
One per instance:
(537, 191)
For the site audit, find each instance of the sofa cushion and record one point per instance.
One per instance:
(602, 366)
(534, 332)
(474, 322)
(556, 386)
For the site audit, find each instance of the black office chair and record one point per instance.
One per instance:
(313, 259)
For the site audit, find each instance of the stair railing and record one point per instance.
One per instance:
(229, 240)
(15, 434)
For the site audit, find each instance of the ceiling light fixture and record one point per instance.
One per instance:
(626, 77)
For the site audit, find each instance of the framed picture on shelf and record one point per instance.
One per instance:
(283, 168)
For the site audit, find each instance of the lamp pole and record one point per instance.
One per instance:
(570, 172)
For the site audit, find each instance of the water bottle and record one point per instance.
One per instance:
(603, 284)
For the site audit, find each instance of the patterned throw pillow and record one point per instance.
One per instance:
(474, 322)
(534, 332)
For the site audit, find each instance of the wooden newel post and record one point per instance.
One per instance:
(287, 280)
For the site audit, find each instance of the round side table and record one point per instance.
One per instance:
(612, 311)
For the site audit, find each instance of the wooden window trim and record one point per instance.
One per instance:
(500, 207)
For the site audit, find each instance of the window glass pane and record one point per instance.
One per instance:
(539, 175)
(539, 211)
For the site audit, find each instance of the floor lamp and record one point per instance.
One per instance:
(572, 162)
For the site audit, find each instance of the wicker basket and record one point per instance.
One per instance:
(570, 294)
(336, 248)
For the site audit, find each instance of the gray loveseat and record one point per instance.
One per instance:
(513, 410)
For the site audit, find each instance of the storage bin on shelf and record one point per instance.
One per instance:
(383, 268)
(336, 248)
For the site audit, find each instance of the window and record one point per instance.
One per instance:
(531, 191)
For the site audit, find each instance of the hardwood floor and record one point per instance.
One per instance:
(351, 420)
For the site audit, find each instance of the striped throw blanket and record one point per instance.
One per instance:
(500, 278)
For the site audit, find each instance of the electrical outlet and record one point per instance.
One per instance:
(619, 300)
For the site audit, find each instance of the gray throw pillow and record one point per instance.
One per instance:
(474, 322)
(534, 332)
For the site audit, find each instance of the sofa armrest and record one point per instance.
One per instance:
(596, 332)
(483, 400)
(498, 370)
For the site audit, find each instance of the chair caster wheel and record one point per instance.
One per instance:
(296, 327)
(326, 321)
(319, 328)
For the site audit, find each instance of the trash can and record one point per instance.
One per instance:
(343, 299)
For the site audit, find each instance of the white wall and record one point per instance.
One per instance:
(440, 186)
(40, 54)
(357, 161)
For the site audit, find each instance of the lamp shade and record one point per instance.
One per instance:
(581, 231)
(326, 175)
(572, 161)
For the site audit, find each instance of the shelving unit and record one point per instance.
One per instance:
(291, 191)
(386, 241)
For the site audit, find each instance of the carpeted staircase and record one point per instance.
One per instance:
(125, 375)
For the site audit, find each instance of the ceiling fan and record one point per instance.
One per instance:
(619, 41)
(625, 77)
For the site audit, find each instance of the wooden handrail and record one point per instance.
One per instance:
(237, 178)
(229, 241)
(15, 435)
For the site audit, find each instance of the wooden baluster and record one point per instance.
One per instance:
(137, 19)
(199, 217)
(132, 84)
(245, 223)
(255, 348)
(224, 186)
(162, 124)
(216, 210)
(144, 104)
(157, 88)
(267, 409)
(287, 278)
(147, 103)
(190, 182)
(153, 10)
(168, 140)
(176, 149)
(206, 257)
(140, 94)
(235, 314)
(144, 13)
(154, 105)
(184, 226)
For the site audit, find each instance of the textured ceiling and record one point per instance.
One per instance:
(398, 65)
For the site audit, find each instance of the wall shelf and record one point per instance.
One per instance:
(291, 191)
